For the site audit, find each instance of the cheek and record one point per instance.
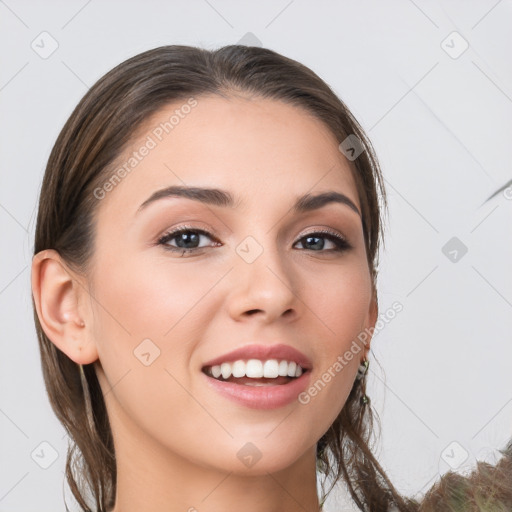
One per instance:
(157, 299)
(150, 297)
(341, 307)
(341, 302)
(153, 308)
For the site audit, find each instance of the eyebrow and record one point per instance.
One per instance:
(224, 199)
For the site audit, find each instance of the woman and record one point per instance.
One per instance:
(204, 285)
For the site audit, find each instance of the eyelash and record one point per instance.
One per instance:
(340, 242)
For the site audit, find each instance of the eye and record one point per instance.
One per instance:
(187, 239)
(315, 241)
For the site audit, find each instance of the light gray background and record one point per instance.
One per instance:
(442, 129)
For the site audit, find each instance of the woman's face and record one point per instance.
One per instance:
(159, 314)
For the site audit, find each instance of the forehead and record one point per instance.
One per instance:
(263, 150)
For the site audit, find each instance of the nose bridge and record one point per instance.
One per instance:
(263, 281)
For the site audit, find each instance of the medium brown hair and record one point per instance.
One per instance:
(487, 489)
(94, 136)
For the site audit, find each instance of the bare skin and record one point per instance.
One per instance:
(176, 439)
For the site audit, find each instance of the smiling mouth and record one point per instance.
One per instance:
(252, 381)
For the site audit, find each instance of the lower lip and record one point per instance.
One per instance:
(261, 397)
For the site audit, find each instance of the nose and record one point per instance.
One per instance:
(265, 288)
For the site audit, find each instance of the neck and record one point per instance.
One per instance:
(151, 477)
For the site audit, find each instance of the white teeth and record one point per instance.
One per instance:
(238, 369)
(271, 369)
(225, 370)
(283, 369)
(292, 367)
(256, 369)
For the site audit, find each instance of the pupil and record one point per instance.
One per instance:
(318, 245)
(189, 238)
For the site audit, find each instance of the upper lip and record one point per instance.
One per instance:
(263, 352)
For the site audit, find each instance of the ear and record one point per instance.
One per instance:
(59, 300)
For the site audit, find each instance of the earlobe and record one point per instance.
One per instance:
(57, 294)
